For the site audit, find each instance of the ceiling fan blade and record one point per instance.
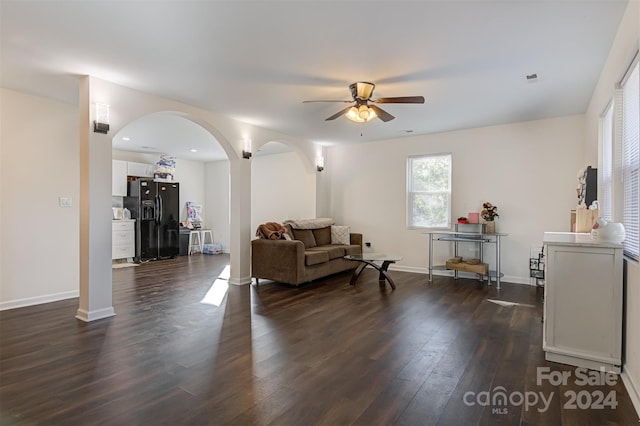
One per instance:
(400, 100)
(338, 114)
(382, 114)
(329, 100)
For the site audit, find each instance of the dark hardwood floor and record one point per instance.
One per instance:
(326, 354)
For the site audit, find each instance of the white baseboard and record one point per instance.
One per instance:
(633, 389)
(88, 316)
(425, 270)
(38, 300)
(239, 281)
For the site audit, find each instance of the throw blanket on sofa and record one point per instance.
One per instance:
(271, 231)
(321, 222)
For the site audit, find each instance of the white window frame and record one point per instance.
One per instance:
(410, 191)
(622, 153)
(605, 186)
(629, 165)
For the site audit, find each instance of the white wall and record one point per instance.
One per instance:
(624, 47)
(281, 188)
(527, 169)
(40, 162)
(216, 202)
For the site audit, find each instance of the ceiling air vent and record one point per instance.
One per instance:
(532, 77)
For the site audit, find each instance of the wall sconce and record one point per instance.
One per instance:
(101, 123)
(246, 151)
(320, 163)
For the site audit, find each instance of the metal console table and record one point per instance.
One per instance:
(467, 237)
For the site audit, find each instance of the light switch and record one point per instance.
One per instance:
(65, 201)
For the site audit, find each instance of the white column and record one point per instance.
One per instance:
(95, 214)
(240, 221)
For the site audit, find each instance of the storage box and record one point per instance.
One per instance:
(214, 248)
(479, 268)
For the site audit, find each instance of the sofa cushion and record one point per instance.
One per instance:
(322, 236)
(340, 235)
(315, 257)
(334, 252)
(306, 236)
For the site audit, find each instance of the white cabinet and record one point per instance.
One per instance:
(120, 170)
(122, 239)
(140, 169)
(583, 302)
(119, 178)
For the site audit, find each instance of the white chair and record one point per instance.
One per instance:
(195, 242)
(203, 238)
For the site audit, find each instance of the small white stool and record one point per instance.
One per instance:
(203, 238)
(195, 242)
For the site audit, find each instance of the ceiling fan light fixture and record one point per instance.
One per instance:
(364, 89)
(361, 114)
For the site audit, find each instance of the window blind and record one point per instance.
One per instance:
(631, 161)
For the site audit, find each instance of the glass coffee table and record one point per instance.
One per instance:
(379, 261)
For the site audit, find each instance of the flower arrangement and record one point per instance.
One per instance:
(489, 212)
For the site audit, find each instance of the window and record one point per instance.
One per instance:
(620, 159)
(429, 191)
(631, 160)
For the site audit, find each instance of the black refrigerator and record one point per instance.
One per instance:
(156, 208)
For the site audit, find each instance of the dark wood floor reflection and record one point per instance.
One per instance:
(326, 353)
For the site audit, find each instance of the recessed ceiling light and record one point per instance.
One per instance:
(193, 150)
(126, 138)
(147, 147)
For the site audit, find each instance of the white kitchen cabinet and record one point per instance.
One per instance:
(122, 239)
(119, 178)
(583, 302)
(140, 169)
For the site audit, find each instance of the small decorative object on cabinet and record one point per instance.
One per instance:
(587, 189)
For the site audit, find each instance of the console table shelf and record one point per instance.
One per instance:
(457, 237)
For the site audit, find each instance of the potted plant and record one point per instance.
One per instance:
(489, 214)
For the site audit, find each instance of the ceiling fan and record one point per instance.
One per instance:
(362, 110)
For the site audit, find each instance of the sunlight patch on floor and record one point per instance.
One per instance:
(509, 304)
(218, 290)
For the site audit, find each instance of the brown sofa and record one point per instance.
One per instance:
(307, 257)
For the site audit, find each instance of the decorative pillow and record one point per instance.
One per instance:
(306, 236)
(340, 235)
(322, 236)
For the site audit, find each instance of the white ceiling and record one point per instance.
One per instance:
(256, 61)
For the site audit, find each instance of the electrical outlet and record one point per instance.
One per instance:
(368, 244)
(65, 201)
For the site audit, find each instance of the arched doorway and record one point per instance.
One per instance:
(139, 145)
